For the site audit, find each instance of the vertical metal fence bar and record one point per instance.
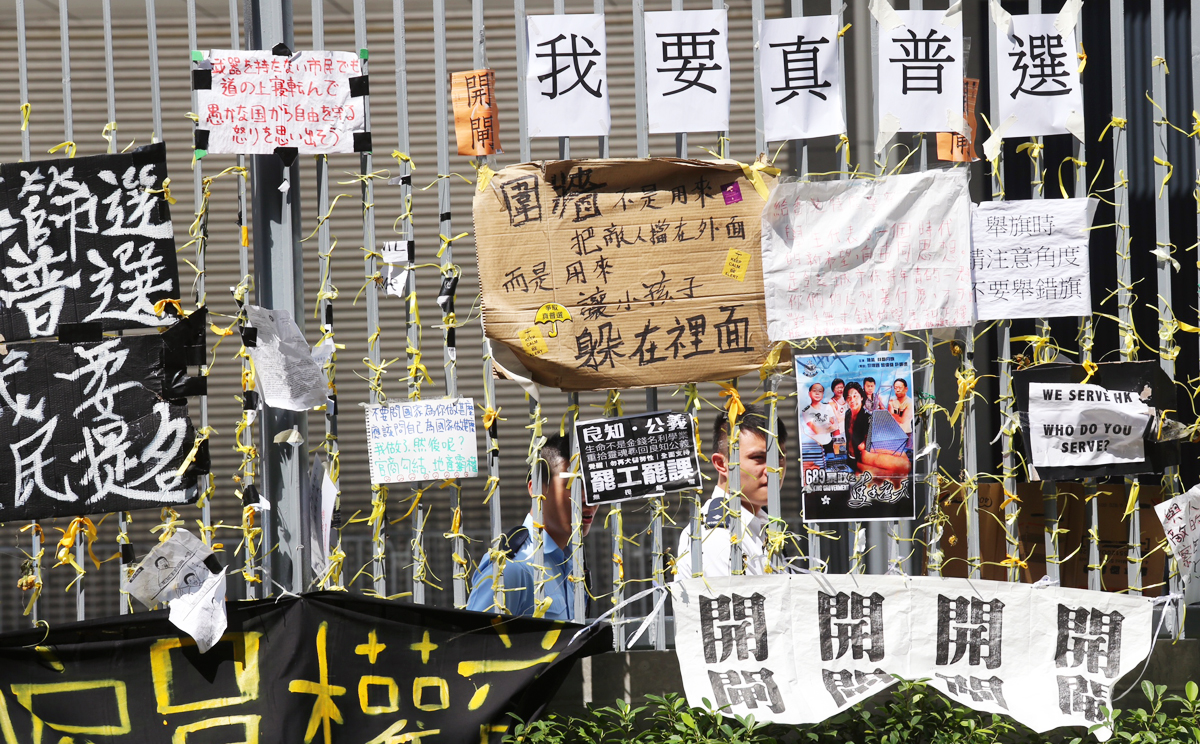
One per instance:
(1168, 350)
(245, 434)
(1124, 266)
(1012, 507)
(535, 408)
(64, 40)
(23, 83)
(155, 85)
(372, 270)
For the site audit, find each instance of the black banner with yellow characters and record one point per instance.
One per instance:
(325, 667)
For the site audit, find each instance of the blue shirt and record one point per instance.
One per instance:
(520, 575)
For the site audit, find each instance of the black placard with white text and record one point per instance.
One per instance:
(634, 457)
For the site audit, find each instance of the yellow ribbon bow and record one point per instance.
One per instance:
(754, 173)
(734, 404)
(26, 110)
(402, 157)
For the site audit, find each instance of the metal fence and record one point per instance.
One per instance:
(101, 74)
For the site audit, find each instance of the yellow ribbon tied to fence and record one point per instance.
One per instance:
(70, 534)
(733, 404)
(1132, 504)
(967, 380)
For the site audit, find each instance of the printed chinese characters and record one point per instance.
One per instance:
(636, 456)
(687, 70)
(566, 83)
(1089, 640)
(476, 115)
(737, 626)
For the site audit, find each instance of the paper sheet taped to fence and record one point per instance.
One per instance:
(422, 440)
(847, 257)
(1073, 425)
(1180, 518)
(801, 648)
(1029, 258)
(85, 240)
(252, 102)
(623, 273)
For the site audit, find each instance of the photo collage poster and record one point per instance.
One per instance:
(857, 413)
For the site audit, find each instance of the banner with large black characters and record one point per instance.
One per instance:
(326, 667)
(802, 648)
(85, 240)
(100, 425)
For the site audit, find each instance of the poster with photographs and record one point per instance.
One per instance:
(856, 436)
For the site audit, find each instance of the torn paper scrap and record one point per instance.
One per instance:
(171, 569)
(287, 375)
(201, 614)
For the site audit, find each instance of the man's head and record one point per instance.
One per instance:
(901, 387)
(869, 386)
(855, 396)
(816, 392)
(556, 507)
(752, 452)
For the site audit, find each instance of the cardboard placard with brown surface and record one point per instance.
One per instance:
(623, 273)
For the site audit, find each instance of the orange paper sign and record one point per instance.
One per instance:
(953, 146)
(476, 116)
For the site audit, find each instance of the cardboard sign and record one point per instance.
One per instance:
(687, 71)
(1147, 383)
(953, 146)
(1038, 78)
(422, 440)
(325, 666)
(612, 273)
(1074, 425)
(1029, 258)
(95, 427)
(85, 240)
(800, 81)
(920, 74)
(476, 114)
(254, 102)
(850, 257)
(856, 436)
(566, 78)
(801, 649)
(634, 457)
(1180, 519)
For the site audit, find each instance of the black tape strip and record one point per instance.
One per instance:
(450, 338)
(127, 554)
(444, 216)
(250, 495)
(201, 79)
(200, 139)
(412, 251)
(80, 333)
(203, 462)
(333, 400)
(287, 155)
(446, 293)
(249, 400)
(406, 180)
(329, 314)
(360, 86)
(213, 564)
(249, 337)
(179, 385)
(281, 50)
(362, 142)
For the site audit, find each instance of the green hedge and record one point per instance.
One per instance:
(913, 713)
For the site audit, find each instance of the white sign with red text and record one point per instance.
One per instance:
(252, 102)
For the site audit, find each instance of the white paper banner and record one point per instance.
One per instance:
(687, 71)
(1076, 425)
(1180, 518)
(847, 257)
(1038, 77)
(1029, 258)
(566, 79)
(801, 648)
(287, 374)
(422, 440)
(921, 72)
(258, 101)
(801, 84)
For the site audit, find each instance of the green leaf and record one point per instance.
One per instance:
(1192, 691)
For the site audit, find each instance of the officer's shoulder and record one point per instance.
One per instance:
(716, 515)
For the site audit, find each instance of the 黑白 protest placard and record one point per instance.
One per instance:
(632, 457)
(422, 440)
(800, 83)
(252, 102)
(920, 74)
(623, 273)
(1077, 425)
(687, 71)
(1180, 518)
(850, 257)
(1037, 76)
(1029, 258)
(856, 436)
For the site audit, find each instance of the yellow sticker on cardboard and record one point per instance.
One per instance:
(534, 341)
(736, 263)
